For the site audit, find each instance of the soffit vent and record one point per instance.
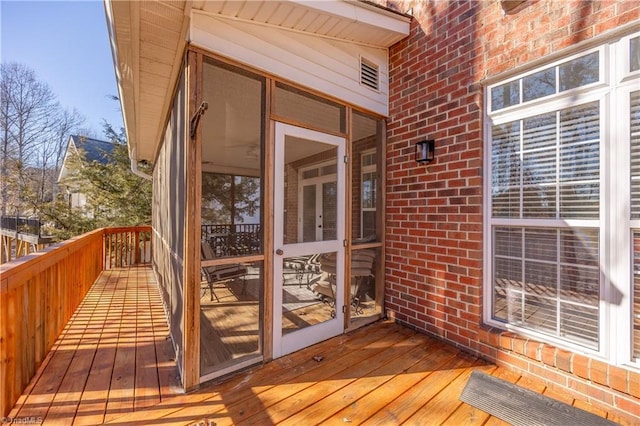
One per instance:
(369, 74)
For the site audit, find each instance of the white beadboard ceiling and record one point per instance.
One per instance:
(148, 40)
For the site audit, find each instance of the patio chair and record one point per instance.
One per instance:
(302, 266)
(220, 274)
(361, 270)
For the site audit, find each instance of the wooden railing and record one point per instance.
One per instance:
(40, 292)
(233, 239)
(127, 246)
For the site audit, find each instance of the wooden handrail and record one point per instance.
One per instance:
(127, 246)
(40, 292)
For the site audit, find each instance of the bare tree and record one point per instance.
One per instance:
(27, 109)
(6, 122)
(34, 131)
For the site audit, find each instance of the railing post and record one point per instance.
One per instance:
(104, 249)
(137, 246)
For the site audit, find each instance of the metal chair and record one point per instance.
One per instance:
(220, 274)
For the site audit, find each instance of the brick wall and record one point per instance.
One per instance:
(434, 212)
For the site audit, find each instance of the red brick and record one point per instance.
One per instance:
(505, 358)
(618, 378)
(488, 351)
(505, 340)
(579, 386)
(581, 366)
(518, 345)
(599, 372)
(628, 406)
(533, 350)
(548, 355)
(634, 383)
(546, 372)
(598, 393)
(563, 360)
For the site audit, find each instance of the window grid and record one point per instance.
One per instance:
(581, 70)
(562, 296)
(546, 292)
(565, 187)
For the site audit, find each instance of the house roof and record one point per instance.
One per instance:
(148, 41)
(94, 149)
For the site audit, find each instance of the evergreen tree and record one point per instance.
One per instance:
(115, 196)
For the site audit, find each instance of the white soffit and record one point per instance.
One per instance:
(346, 20)
(148, 40)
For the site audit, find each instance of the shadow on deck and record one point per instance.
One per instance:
(113, 364)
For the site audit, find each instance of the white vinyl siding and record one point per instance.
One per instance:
(563, 153)
(327, 65)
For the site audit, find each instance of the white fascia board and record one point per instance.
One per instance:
(122, 55)
(361, 13)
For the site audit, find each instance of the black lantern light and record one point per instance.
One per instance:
(425, 151)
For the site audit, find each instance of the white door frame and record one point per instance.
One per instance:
(302, 338)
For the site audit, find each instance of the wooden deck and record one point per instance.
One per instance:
(113, 365)
(112, 358)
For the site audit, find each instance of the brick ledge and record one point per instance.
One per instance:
(604, 385)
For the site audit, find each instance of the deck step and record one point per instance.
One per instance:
(520, 406)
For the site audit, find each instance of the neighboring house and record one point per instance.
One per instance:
(81, 152)
(518, 242)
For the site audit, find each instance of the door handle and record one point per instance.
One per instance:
(279, 252)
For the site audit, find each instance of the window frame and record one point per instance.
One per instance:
(622, 260)
(371, 168)
(603, 81)
(612, 91)
(625, 59)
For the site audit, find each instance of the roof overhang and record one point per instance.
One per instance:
(148, 41)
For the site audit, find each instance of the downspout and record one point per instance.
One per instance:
(134, 166)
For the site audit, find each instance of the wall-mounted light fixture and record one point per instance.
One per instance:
(425, 151)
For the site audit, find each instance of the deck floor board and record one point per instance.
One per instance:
(113, 364)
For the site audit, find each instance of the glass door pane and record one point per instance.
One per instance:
(308, 290)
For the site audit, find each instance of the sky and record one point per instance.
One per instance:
(66, 44)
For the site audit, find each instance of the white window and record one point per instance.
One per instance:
(562, 143)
